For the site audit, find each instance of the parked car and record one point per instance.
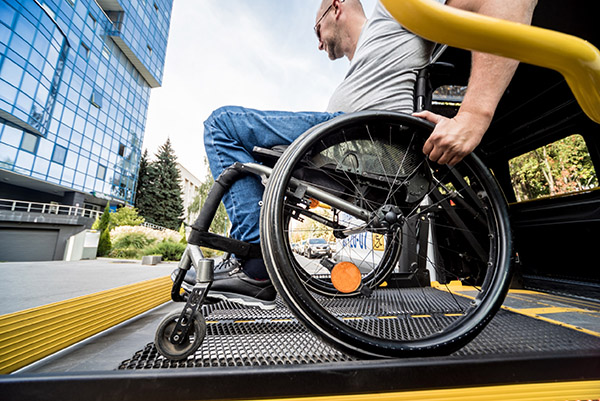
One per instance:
(317, 247)
(301, 248)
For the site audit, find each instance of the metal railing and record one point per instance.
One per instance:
(48, 208)
(153, 226)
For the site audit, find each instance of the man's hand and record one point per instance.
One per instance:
(453, 138)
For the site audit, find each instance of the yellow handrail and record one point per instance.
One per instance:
(576, 59)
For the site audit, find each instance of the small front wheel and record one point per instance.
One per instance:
(191, 342)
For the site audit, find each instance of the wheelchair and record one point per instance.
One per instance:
(422, 254)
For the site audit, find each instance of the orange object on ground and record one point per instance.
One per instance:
(346, 277)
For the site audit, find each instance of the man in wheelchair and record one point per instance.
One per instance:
(384, 61)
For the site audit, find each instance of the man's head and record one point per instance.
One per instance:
(338, 24)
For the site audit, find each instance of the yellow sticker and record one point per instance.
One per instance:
(378, 242)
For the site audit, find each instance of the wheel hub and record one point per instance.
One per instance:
(387, 217)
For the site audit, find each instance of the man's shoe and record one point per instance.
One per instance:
(227, 264)
(237, 287)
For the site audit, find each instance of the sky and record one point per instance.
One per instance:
(260, 54)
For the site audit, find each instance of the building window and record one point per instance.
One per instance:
(105, 52)
(121, 149)
(92, 20)
(59, 154)
(96, 99)
(559, 168)
(101, 173)
(29, 142)
(85, 50)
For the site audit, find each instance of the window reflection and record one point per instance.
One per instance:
(8, 154)
(59, 155)
(29, 142)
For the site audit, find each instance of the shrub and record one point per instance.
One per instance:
(104, 243)
(125, 216)
(104, 222)
(168, 235)
(168, 249)
(134, 240)
(125, 253)
(183, 240)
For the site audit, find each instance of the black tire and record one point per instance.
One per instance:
(177, 352)
(461, 207)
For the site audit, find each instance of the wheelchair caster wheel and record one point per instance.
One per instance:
(191, 343)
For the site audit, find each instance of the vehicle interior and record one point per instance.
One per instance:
(555, 235)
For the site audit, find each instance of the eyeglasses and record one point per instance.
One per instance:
(317, 27)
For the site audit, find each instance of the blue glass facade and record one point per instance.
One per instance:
(75, 80)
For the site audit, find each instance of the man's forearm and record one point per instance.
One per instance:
(489, 79)
(490, 74)
(452, 139)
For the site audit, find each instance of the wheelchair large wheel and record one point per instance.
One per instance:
(439, 236)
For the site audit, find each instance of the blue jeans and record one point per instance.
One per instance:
(230, 134)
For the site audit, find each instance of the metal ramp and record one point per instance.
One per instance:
(253, 354)
(238, 336)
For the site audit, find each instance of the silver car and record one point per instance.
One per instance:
(317, 247)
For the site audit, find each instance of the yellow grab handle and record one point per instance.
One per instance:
(576, 59)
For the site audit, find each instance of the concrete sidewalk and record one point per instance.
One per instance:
(25, 285)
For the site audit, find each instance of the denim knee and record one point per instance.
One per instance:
(217, 121)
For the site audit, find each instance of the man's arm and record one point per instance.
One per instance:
(454, 138)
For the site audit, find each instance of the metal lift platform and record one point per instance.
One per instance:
(539, 346)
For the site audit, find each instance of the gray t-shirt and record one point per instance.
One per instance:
(383, 71)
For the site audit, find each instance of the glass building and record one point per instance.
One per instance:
(75, 80)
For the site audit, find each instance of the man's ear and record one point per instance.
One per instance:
(337, 9)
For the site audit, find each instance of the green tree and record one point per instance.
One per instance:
(146, 176)
(125, 216)
(104, 221)
(558, 168)
(104, 244)
(182, 232)
(160, 199)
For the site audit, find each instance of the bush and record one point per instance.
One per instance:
(168, 249)
(125, 253)
(125, 216)
(104, 221)
(104, 243)
(134, 240)
(168, 235)
(182, 233)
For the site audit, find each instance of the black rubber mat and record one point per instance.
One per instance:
(238, 336)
